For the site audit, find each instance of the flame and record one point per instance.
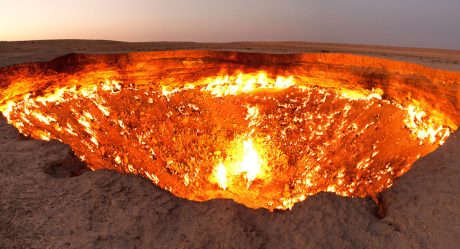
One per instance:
(245, 161)
(220, 174)
(266, 138)
(244, 83)
(425, 127)
(251, 163)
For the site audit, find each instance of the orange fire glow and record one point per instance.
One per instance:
(264, 135)
(245, 159)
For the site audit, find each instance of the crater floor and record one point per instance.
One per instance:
(265, 130)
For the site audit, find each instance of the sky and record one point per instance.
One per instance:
(409, 23)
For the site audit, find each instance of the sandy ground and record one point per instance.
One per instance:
(32, 51)
(42, 207)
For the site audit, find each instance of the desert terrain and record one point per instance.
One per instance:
(42, 206)
(33, 51)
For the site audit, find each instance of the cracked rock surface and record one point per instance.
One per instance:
(40, 208)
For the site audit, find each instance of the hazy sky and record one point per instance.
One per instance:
(417, 23)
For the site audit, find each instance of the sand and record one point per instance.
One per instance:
(32, 51)
(41, 206)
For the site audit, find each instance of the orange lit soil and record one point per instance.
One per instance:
(264, 130)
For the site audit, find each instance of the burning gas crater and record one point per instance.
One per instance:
(263, 135)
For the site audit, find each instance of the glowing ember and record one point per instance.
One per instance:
(206, 125)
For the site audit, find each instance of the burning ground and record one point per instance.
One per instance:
(255, 109)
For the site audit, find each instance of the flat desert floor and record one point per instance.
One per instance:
(32, 51)
(41, 208)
